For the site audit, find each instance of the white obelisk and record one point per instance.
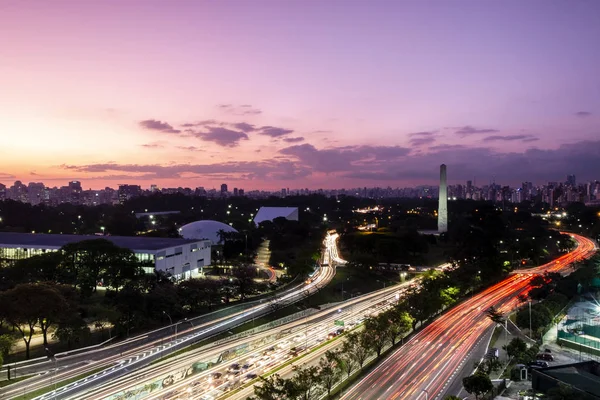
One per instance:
(443, 202)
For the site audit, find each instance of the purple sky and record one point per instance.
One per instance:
(311, 93)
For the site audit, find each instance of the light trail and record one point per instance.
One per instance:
(430, 360)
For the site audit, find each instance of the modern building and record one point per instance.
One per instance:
(182, 258)
(443, 201)
(270, 213)
(583, 378)
(206, 229)
(127, 192)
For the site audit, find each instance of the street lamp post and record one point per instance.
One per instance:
(171, 321)
(530, 331)
(426, 394)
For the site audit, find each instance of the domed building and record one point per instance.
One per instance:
(206, 229)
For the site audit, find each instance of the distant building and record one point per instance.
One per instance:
(571, 181)
(235, 192)
(182, 258)
(206, 229)
(223, 189)
(127, 192)
(270, 213)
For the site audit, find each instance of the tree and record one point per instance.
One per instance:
(452, 397)
(375, 333)
(399, 323)
(329, 371)
(272, 388)
(477, 384)
(244, 279)
(6, 344)
(358, 346)
(346, 359)
(28, 304)
(305, 384)
(515, 347)
(71, 330)
(495, 315)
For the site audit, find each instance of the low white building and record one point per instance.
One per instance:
(270, 213)
(182, 258)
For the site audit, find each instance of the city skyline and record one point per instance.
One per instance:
(265, 95)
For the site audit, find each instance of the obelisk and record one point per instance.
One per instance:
(443, 202)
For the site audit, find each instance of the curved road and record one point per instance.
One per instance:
(433, 358)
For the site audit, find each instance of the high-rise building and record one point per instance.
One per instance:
(443, 201)
(223, 189)
(127, 192)
(241, 192)
(235, 192)
(571, 180)
(35, 193)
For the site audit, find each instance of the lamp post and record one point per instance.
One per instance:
(53, 359)
(530, 331)
(171, 321)
(426, 394)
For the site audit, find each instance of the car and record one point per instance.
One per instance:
(214, 377)
(340, 331)
(233, 367)
(539, 364)
(249, 377)
(233, 374)
(545, 357)
(247, 366)
(331, 335)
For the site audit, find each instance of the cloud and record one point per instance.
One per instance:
(469, 130)
(508, 138)
(359, 165)
(221, 136)
(262, 170)
(188, 148)
(155, 125)
(273, 131)
(423, 134)
(153, 145)
(244, 109)
(244, 127)
(583, 114)
(293, 139)
(199, 123)
(421, 141)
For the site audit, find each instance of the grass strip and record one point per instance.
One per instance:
(14, 380)
(44, 390)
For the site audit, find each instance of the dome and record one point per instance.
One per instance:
(206, 229)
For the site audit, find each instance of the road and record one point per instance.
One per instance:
(438, 355)
(122, 358)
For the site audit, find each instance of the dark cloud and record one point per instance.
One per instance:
(391, 164)
(263, 170)
(293, 139)
(442, 147)
(423, 134)
(221, 136)
(469, 130)
(199, 123)
(244, 127)
(421, 141)
(244, 109)
(155, 125)
(273, 131)
(508, 138)
(583, 114)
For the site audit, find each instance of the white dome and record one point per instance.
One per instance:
(206, 229)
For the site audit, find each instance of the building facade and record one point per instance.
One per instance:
(182, 258)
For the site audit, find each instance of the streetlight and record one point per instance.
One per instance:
(52, 358)
(102, 229)
(426, 394)
(171, 321)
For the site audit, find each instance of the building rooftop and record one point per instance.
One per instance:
(41, 240)
(584, 376)
(270, 213)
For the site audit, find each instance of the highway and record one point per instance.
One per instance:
(254, 356)
(436, 356)
(123, 358)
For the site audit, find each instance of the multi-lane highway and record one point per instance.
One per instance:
(433, 358)
(121, 359)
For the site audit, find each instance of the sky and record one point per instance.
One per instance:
(265, 94)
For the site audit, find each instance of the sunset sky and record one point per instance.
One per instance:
(285, 93)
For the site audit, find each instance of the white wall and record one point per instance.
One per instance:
(192, 258)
